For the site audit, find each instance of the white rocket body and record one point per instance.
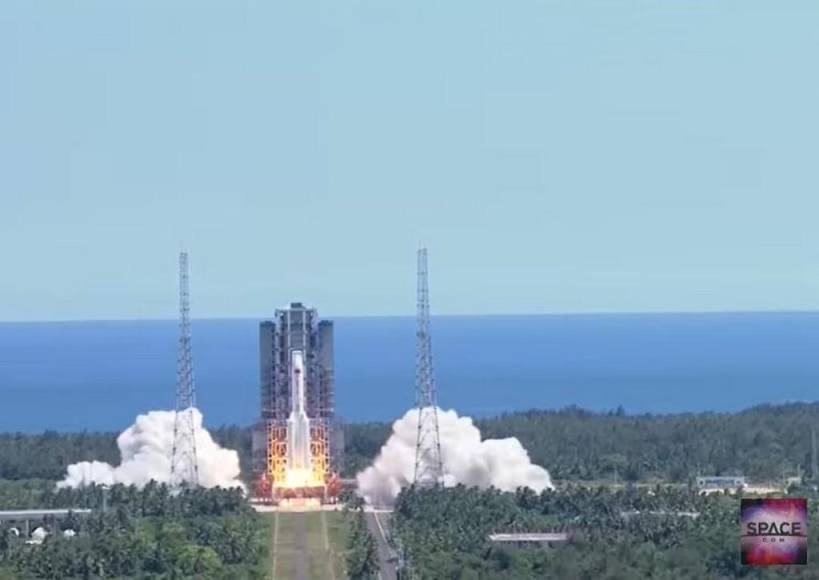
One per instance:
(298, 424)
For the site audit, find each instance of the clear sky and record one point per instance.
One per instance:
(555, 156)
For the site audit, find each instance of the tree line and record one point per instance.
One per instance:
(147, 533)
(664, 533)
(361, 557)
(46, 455)
(762, 442)
(573, 444)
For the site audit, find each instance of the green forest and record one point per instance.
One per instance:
(761, 443)
(577, 445)
(152, 533)
(132, 533)
(662, 533)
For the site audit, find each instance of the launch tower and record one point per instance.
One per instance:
(428, 465)
(184, 466)
(295, 447)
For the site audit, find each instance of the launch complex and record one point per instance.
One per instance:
(297, 443)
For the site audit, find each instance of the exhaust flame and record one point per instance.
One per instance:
(299, 460)
(301, 469)
(301, 478)
(500, 463)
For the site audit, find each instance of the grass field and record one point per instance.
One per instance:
(308, 546)
(266, 531)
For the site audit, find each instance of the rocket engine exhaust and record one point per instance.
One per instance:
(299, 460)
(296, 444)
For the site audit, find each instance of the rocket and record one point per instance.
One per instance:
(298, 424)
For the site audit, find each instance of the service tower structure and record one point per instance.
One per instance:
(296, 448)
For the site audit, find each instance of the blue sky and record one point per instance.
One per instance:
(568, 156)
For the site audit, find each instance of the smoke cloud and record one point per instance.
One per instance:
(145, 450)
(502, 463)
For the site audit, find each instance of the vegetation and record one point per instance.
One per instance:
(574, 444)
(23, 494)
(148, 533)
(625, 534)
(46, 455)
(362, 552)
(152, 533)
(362, 442)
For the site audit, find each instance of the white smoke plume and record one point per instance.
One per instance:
(502, 463)
(145, 450)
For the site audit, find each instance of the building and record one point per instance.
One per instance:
(297, 404)
(710, 484)
(543, 540)
(42, 517)
(628, 514)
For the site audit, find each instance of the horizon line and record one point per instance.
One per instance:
(578, 313)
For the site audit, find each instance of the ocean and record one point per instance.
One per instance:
(70, 376)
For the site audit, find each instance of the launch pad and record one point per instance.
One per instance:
(297, 444)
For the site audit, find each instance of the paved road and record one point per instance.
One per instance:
(378, 523)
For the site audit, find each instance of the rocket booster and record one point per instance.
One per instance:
(298, 424)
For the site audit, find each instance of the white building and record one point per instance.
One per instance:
(713, 483)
